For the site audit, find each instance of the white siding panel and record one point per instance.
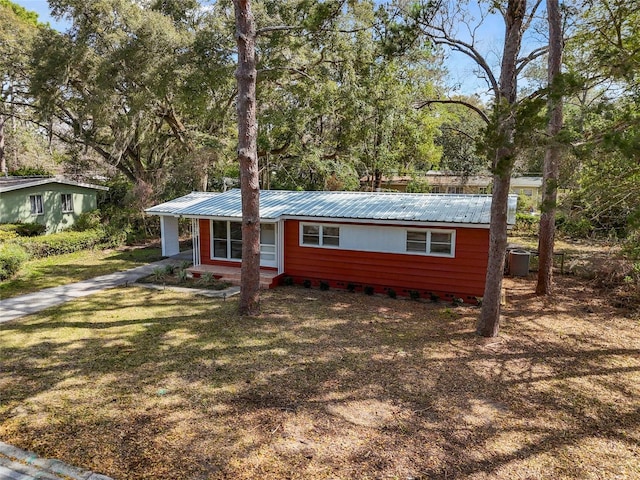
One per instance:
(169, 235)
(373, 238)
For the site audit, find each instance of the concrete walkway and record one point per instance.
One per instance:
(23, 305)
(17, 464)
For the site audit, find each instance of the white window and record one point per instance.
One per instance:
(37, 207)
(456, 190)
(435, 189)
(67, 202)
(226, 239)
(319, 235)
(431, 242)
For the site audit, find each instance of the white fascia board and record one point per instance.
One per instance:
(399, 223)
(208, 217)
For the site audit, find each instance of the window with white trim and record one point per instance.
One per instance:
(37, 207)
(431, 242)
(67, 202)
(319, 235)
(226, 238)
(456, 190)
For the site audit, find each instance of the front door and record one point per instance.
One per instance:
(268, 245)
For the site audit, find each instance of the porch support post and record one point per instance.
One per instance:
(169, 236)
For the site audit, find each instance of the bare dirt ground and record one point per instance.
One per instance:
(328, 385)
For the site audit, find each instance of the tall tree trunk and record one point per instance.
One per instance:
(248, 157)
(3, 159)
(489, 320)
(547, 230)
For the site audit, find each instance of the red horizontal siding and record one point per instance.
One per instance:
(462, 276)
(205, 241)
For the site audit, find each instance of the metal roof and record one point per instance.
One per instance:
(181, 203)
(375, 206)
(8, 184)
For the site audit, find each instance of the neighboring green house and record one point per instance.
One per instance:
(52, 201)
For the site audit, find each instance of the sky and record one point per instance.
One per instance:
(41, 7)
(461, 70)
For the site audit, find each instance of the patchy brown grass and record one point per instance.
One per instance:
(141, 384)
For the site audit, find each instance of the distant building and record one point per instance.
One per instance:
(442, 182)
(51, 201)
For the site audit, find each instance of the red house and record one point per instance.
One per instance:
(434, 244)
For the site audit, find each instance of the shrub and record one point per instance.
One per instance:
(207, 278)
(351, 287)
(9, 227)
(574, 226)
(182, 276)
(435, 298)
(169, 269)
(392, 293)
(59, 243)
(630, 247)
(324, 285)
(7, 235)
(30, 229)
(12, 257)
(288, 281)
(414, 294)
(527, 224)
(307, 284)
(158, 274)
(30, 172)
(369, 290)
(88, 221)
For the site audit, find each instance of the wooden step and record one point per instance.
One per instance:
(268, 278)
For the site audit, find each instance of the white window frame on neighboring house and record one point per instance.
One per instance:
(322, 235)
(430, 242)
(37, 205)
(66, 199)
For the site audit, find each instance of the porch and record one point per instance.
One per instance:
(268, 278)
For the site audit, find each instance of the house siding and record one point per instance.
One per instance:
(15, 205)
(461, 276)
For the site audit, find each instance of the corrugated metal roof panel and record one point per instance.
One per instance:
(418, 207)
(173, 206)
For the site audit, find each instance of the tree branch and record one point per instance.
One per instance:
(523, 62)
(470, 106)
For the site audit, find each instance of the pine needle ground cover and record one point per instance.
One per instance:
(140, 384)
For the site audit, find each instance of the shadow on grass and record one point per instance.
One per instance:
(140, 384)
(75, 267)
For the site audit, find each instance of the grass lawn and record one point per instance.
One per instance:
(74, 267)
(140, 384)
